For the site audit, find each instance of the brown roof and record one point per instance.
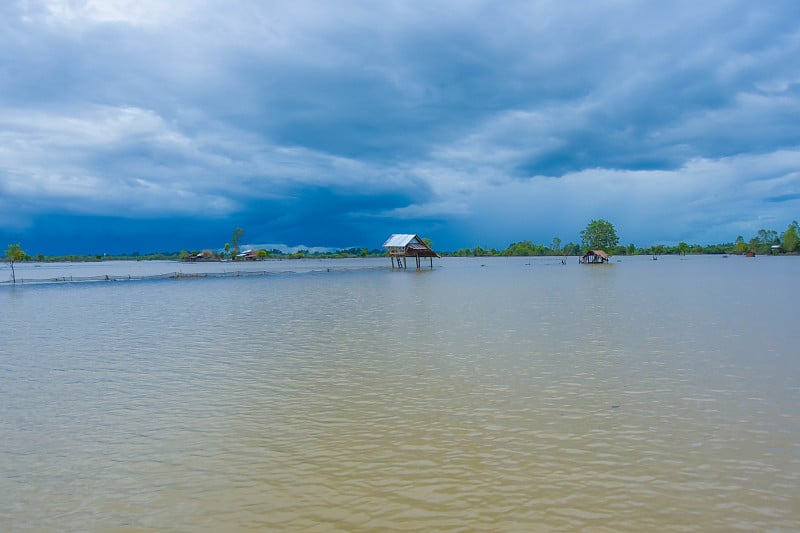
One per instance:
(600, 253)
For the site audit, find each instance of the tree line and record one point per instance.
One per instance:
(601, 235)
(598, 234)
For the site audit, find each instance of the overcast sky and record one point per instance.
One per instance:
(155, 125)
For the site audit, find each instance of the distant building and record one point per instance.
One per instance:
(205, 255)
(247, 255)
(594, 257)
(401, 246)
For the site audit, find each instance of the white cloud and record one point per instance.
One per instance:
(422, 210)
(98, 159)
(131, 12)
(52, 160)
(700, 201)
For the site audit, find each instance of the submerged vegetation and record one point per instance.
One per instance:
(599, 234)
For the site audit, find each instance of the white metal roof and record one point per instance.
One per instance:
(399, 240)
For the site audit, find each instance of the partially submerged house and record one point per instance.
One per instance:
(594, 257)
(404, 245)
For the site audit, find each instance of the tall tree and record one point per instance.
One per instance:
(13, 254)
(599, 235)
(237, 234)
(790, 237)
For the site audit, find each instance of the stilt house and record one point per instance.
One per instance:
(404, 245)
(593, 257)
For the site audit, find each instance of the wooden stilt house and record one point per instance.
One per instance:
(404, 245)
(594, 257)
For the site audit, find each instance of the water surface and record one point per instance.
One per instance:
(490, 394)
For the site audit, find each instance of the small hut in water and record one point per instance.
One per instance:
(594, 257)
(404, 245)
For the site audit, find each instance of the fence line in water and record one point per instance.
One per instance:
(141, 277)
(168, 275)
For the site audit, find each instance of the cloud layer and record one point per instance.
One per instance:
(162, 125)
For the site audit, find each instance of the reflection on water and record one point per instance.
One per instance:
(522, 395)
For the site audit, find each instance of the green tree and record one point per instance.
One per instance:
(523, 248)
(556, 245)
(227, 251)
(763, 240)
(740, 247)
(790, 238)
(238, 233)
(13, 254)
(683, 248)
(619, 250)
(768, 237)
(599, 235)
(262, 254)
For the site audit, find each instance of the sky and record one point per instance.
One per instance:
(144, 125)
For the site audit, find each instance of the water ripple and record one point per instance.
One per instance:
(386, 401)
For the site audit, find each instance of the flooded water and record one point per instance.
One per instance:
(502, 394)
